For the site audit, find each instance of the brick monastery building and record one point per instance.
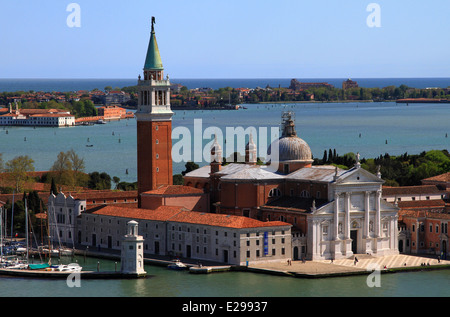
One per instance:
(240, 213)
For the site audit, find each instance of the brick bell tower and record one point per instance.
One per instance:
(154, 123)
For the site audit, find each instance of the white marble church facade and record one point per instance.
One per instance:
(355, 221)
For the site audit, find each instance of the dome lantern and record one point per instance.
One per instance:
(293, 152)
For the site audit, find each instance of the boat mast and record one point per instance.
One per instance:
(1, 234)
(26, 225)
(12, 216)
(49, 235)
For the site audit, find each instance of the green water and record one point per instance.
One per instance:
(162, 282)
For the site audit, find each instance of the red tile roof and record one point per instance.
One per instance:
(423, 213)
(411, 190)
(439, 178)
(180, 214)
(434, 203)
(104, 194)
(221, 220)
(175, 190)
(162, 213)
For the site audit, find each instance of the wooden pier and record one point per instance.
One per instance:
(209, 269)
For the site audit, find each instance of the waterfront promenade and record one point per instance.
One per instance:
(348, 266)
(307, 269)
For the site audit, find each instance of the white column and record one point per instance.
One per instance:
(336, 216)
(313, 240)
(347, 215)
(168, 97)
(318, 237)
(394, 236)
(378, 214)
(366, 215)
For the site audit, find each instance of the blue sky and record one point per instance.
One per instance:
(226, 38)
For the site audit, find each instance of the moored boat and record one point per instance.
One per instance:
(177, 265)
(72, 267)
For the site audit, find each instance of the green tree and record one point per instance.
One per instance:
(99, 181)
(190, 166)
(62, 168)
(127, 186)
(178, 179)
(53, 188)
(68, 169)
(18, 168)
(116, 181)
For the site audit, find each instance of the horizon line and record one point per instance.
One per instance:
(227, 78)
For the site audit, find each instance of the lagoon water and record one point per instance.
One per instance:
(372, 129)
(162, 282)
(409, 128)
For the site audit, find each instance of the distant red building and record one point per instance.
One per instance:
(112, 112)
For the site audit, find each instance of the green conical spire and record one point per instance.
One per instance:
(153, 59)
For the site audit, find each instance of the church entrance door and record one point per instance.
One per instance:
(353, 236)
(400, 246)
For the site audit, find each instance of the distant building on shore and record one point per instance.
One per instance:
(296, 85)
(347, 84)
(112, 112)
(36, 117)
(115, 97)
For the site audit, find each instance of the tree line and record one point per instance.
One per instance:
(67, 171)
(401, 170)
(79, 108)
(389, 93)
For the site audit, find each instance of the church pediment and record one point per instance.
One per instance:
(356, 206)
(325, 209)
(358, 175)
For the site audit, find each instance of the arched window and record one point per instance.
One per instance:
(305, 194)
(274, 192)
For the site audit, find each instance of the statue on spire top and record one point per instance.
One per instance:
(153, 23)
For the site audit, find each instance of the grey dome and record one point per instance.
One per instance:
(292, 148)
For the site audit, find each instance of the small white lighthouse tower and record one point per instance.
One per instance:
(132, 255)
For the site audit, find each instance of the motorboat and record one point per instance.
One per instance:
(177, 265)
(21, 250)
(17, 266)
(72, 267)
